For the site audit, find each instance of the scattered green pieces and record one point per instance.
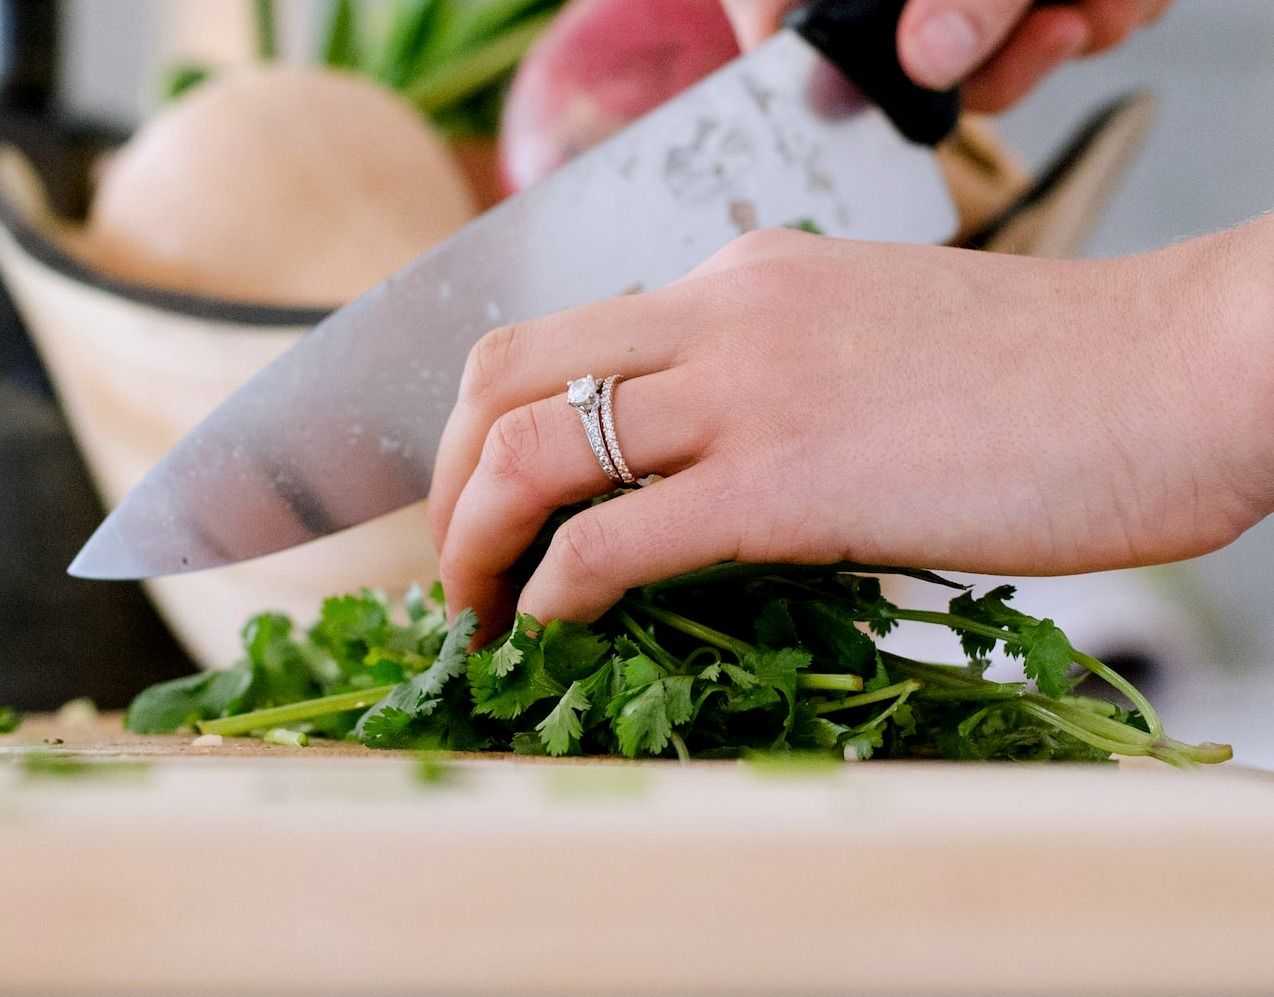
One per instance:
(67, 765)
(736, 660)
(807, 225)
(436, 770)
(77, 714)
(266, 29)
(178, 79)
(342, 45)
(286, 738)
(10, 720)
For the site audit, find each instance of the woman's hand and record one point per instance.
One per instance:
(816, 400)
(998, 49)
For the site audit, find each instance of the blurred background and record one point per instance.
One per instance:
(81, 75)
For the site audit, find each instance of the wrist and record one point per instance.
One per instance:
(1225, 313)
(1246, 288)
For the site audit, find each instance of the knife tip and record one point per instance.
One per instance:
(95, 562)
(82, 567)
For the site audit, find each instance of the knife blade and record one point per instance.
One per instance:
(344, 427)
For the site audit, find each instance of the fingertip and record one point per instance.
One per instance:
(754, 21)
(494, 611)
(940, 50)
(592, 560)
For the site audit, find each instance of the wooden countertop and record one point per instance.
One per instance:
(250, 868)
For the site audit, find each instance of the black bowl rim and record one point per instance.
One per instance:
(46, 251)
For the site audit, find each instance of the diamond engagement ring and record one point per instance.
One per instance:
(583, 396)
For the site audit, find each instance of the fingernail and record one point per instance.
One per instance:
(943, 50)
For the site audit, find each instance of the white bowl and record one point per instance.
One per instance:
(135, 369)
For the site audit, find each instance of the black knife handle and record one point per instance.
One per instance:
(861, 38)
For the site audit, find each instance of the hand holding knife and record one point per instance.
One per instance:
(347, 425)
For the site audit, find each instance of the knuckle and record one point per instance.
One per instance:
(450, 566)
(512, 447)
(436, 520)
(580, 549)
(489, 363)
(757, 244)
(995, 99)
(767, 241)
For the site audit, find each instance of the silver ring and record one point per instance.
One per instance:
(608, 430)
(582, 395)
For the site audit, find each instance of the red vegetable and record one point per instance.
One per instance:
(600, 65)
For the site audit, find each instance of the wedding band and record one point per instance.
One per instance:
(608, 430)
(582, 395)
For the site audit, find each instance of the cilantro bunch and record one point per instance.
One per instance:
(727, 661)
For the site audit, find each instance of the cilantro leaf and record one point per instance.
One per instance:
(880, 678)
(390, 727)
(571, 650)
(396, 721)
(1049, 657)
(562, 728)
(182, 702)
(640, 670)
(646, 720)
(812, 732)
(1047, 652)
(989, 610)
(832, 632)
(870, 605)
(10, 720)
(506, 658)
(775, 626)
(509, 680)
(773, 673)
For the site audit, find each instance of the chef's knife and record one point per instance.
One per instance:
(344, 427)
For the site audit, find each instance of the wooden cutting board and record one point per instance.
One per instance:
(331, 869)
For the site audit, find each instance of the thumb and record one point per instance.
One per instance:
(940, 42)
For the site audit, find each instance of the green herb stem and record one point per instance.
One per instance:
(340, 40)
(1083, 732)
(972, 694)
(829, 682)
(453, 81)
(286, 738)
(952, 622)
(267, 35)
(1095, 722)
(1133, 694)
(896, 691)
(949, 676)
(282, 716)
(648, 643)
(679, 745)
(691, 628)
(1206, 753)
(1091, 664)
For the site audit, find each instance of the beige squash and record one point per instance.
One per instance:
(279, 185)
